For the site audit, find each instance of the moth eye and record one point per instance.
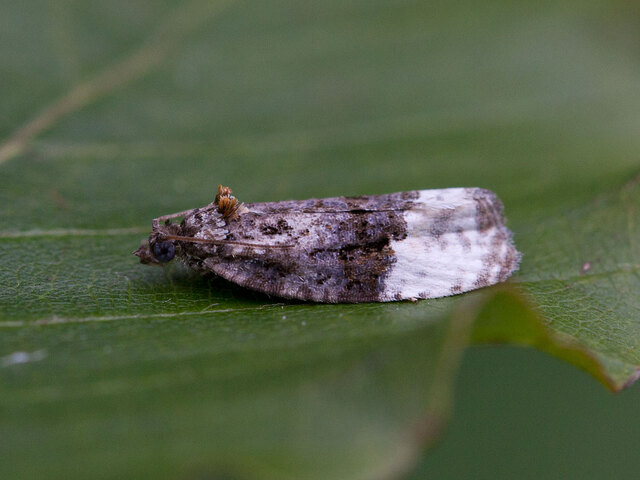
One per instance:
(164, 251)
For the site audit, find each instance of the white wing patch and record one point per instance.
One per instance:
(456, 241)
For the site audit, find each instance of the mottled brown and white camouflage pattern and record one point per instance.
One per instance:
(409, 245)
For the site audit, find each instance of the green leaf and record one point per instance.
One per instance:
(115, 113)
(581, 282)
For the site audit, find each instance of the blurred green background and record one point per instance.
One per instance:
(523, 414)
(113, 113)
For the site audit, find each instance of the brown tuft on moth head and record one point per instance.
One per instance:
(228, 205)
(222, 192)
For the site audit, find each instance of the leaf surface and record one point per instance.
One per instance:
(119, 112)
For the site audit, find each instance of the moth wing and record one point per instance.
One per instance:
(456, 242)
(452, 241)
(365, 203)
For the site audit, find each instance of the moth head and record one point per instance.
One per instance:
(156, 253)
(158, 249)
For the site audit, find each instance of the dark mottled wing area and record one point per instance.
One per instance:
(373, 203)
(340, 247)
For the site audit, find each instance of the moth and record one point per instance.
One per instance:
(400, 246)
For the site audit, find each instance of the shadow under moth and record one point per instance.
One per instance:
(378, 248)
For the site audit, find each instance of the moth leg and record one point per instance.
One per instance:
(157, 221)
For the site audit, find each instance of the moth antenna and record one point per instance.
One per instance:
(221, 242)
(156, 221)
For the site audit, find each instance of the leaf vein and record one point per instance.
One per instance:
(135, 65)
(55, 320)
